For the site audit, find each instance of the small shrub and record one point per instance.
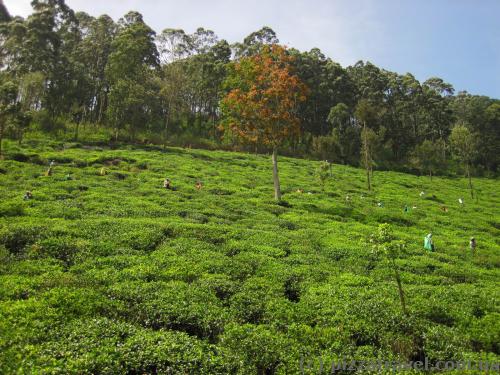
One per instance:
(16, 238)
(19, 156)
(11, 209)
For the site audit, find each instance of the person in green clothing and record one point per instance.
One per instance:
(428, 244)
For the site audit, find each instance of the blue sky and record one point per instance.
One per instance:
(457, 40)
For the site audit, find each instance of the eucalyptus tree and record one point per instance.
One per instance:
(130, 69)
(464, 147)
(92, 54)
(253, 43)
(366, 113)
(8, 105)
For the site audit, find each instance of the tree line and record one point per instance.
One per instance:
(62, 70)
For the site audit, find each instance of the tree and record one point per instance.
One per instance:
(8, 106)
(385, 242)
(92, 55)
(130, 64)
(255, 42)
(4, 13)
(367, 113)
(30, 94)
(340, 119)
(428, 156)
(323, 172)
(464, 147)
(490, 137)
(262, 99)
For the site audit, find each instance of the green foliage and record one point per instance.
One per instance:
(323, 172)
(428, 157)
(385, 243)
(84, 77)
(106, 275)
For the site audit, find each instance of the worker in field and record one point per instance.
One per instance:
(461, 201)
(51, 166)
(102, 172)
(406, 209)
(472, 245)
(27, 196)
(167, 184)
(428, 243)
(198, 185)
(444, 208)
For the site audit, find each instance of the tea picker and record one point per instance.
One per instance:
(49, 171)
(472, 245)
(428, 244)
(167, 184)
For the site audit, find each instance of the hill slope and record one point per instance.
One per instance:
(113, 274)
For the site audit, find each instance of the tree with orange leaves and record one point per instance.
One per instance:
(262, 100)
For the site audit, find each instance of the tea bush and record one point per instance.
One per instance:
(111, 273)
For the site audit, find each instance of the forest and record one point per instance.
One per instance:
(70, 74)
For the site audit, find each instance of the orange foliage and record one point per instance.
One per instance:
(262, 102)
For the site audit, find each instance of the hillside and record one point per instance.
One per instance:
(114, 274)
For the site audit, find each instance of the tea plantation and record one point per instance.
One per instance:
(109, 273)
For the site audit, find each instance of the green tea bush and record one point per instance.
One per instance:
(104, 274)
(16, 238)
(11, 209)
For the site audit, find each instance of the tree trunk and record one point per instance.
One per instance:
(430, 173)
(20, 135)
(366, 157)
(76, 130)
(470, 181)
(165, 133)
(276, 179)
(1, 141)
(368, 179)
(367, 165)
(400, 288)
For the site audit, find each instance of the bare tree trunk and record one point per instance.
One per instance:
(368, 179)
(165, 133)
(367, 164)
(430, 173)
(470, 181)
(1, 140)
(76, 131)
(400, 288)
(277, 190)
(20, 135)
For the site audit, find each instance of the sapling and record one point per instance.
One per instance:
(385, 242)
(323, 172)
